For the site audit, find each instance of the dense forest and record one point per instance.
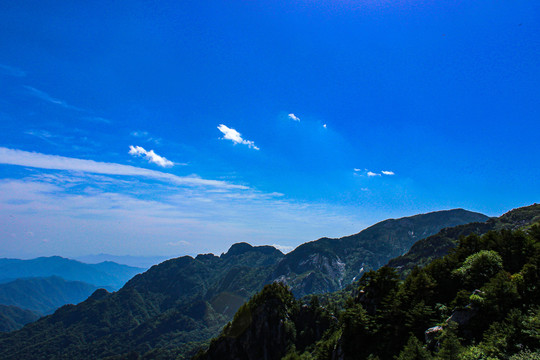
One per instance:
(481, 301)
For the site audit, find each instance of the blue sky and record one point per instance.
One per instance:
(171, 128)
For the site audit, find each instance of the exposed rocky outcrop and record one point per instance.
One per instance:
(461, 317)
(328, 265)
(431, 335)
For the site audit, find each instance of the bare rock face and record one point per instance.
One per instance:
(462, 317)
(318, 273)
(431, 334)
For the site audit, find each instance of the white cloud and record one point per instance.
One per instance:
(46, 97)
(55, 162)
(235, 136)
(283, 248)
(151, 156)
(324, 126)
(371, 173)
(294, 117)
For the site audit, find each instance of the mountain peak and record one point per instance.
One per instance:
(239, 249)
(243, 247)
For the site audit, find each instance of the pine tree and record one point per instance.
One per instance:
(414, 350)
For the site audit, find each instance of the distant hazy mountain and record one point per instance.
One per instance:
(105, 274)
(327, 265)
(13, 318)
(144, 262)
(438, 245)
(44, 295)
(175, 306)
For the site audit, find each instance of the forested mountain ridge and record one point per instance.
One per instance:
(327, 265)
(438, 245)
(44, 295)
(481, 301)
(13, 317)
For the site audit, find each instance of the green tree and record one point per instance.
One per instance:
(451, 348)
(358, 335)
(414, 350)
(479, 268)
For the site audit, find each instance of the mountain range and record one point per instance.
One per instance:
(143, 262)
(424, 251)
(479, 301)
(172, 309)
(33, 288)
(327, 265)
(104, 274)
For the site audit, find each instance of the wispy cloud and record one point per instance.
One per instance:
(388, 172)
(65, 141)
(144, 135)
(139, 216)
(48, 98)
(235, 136)
(151, 156)
(294, 117)
(179, 243)
(371, 173)
(11, 71)
(42, 134)
(324, 126)
(97, 119)
(139, 134)
(55, 162)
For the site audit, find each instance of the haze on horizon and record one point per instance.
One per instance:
(177, 128)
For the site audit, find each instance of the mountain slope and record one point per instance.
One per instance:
(107, 274)
(174, 307)
(44, 295)
(327, 265)
(268, 325)
(438, 245)
(171, 308)
(481, 301)
(13, 318)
